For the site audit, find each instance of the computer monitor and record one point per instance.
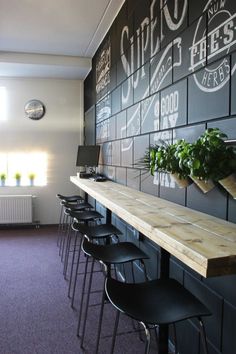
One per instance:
(88, 155)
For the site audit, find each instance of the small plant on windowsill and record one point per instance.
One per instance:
(3, 178)
(31, 178)
(17, 178)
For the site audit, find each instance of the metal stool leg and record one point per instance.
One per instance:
(67, 251)
(100, 318)
(59, 226)
(62, 232)
(115, 331)
(203, 336)
(87, 304)
(175, 338)
(73, 260)
(82, 296)
(67, 228)
(76, 276)
(148, 338)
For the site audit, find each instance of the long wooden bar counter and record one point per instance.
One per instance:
(204, 243)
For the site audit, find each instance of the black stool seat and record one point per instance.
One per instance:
(85, 215)
(102, 230)
(70, 198)
(155, 302)
(115, 253)
(77, 207)
(109, 254)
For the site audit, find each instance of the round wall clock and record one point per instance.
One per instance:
(34, 109)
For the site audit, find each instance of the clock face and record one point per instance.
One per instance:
(34, 109)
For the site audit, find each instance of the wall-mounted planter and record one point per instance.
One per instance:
(229, 184)
(205, 186)
(181, 182)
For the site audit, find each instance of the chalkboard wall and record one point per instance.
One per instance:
(167, 70)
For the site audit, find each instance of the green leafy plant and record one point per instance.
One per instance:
(3, 177)
(31, 176)
(209, 157)
(17, 176)
(165, 158)
(147, 163)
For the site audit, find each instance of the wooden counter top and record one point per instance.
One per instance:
(203, 242)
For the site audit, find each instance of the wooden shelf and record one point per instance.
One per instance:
(204, 243)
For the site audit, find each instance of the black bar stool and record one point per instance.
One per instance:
(80, 216)
(100, 233)
(63, 199)
(108, 255)
(153, 303)
(70, 209)
(66, 223)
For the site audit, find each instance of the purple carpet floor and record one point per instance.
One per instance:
(36, 316)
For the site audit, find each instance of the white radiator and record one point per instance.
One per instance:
(16, 209)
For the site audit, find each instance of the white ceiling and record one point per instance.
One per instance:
(52, 38)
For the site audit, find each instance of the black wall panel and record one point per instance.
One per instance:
(212, 99)
(89, 99)
(111, 128)
(141, 83)
(121, 173)
(229, 338)
(169, 191)
(213, 203)
(150, 113)
(127, 152)
(196, 8)
(127, 93)
(121, 125)
(233, 84)
(161, 70)
(133, 120)
(215, 304)
(166, 70)
(133, 178)
(116, 100)
(172, 26)
(173, 106)
(141, 144)
(147, 184)
(116, 155)
(192, 60)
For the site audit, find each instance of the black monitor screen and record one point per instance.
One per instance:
(88, 155)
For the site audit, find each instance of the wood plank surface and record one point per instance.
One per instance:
(204, 243)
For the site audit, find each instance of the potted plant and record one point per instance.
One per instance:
(17, 178)
(223, 165)
(165, 159)
(3, 178)
(209, 159)
(31, 178)
(179, 173)
(147, 163)
(198, 159)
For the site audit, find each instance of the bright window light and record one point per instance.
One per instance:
(3, 103)
(3, 164)
(31, 168)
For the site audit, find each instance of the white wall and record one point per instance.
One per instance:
(58, 134)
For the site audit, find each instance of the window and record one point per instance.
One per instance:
(26, 165)
(3, 103)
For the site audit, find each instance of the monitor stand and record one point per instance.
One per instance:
(85, 174)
